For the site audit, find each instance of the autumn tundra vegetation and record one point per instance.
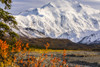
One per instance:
(12, 56)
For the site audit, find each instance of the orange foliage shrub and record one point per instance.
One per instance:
(8, 57)
(46, 45)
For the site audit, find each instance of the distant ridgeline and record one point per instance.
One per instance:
(58, 44)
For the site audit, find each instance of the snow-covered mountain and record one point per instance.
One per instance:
(92, 39)
(66, 19)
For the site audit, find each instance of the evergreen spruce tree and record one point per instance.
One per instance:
(6, 20)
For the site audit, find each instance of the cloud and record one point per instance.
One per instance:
(93, 0)
(22, 5)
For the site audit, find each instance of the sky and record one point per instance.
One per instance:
(22, 5)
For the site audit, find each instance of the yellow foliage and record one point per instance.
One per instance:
(8, 57)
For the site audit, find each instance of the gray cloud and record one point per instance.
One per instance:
(22, 5)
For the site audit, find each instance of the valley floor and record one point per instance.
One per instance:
(73, 58)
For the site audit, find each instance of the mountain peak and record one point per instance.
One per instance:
(50, 4)
(66, 19)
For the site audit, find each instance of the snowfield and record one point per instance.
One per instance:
(66, 19)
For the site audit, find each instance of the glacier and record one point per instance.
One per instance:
(64, 19)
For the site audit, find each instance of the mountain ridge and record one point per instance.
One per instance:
(70, 20)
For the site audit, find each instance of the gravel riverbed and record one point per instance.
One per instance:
(73, 58)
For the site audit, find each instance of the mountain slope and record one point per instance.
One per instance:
(91, 39)
(66, 19)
